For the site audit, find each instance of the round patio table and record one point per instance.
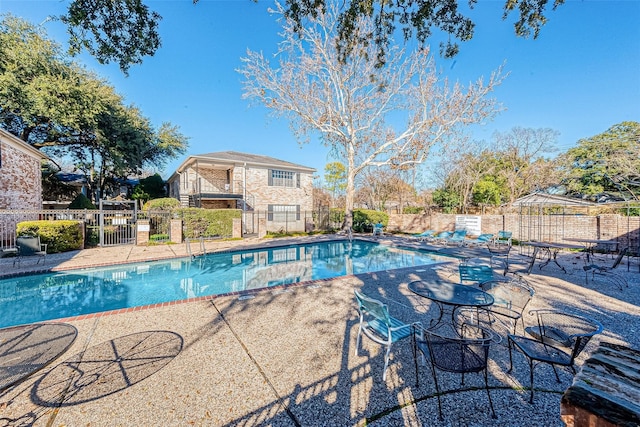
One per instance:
(451, 295)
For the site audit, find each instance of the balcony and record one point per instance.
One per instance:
(217, 189)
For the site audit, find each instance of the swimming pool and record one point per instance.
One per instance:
(33, 298)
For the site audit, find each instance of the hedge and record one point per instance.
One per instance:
(60, 236)
(363, 219)
(199, 222)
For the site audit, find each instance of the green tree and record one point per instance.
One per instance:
(448, 200)
(151, 187)
(348, 103)
(605, 163)
(487, 192)
(58, 107)
(514, 165)
(125, 31)
(335, 176)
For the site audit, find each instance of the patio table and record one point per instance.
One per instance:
(551, 250)
(449, 294)
(590, 244)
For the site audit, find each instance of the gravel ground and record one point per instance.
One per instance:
(286, 357)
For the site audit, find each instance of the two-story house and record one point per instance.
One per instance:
(250, 182)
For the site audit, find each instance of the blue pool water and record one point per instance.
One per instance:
(28, 299)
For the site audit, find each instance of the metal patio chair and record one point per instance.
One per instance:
(557, 339)
(454, 349)
(30, 246)
(606, 271)
(510, 298)
(503, 238)
(475, 273)
(379, 326)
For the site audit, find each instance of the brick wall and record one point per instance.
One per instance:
(20, 178)
(531, 227)
(265, 195)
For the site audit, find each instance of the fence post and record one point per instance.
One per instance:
(262, 227)
(236, 230)
(142, 235)
(175, 231)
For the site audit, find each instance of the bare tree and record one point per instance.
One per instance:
(358, 106)
(521, 152)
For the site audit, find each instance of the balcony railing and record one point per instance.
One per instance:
(216, 186)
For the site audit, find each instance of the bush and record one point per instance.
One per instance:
(159, 238)
(413, 210)
(163, 204)
(81, 202)
(60, 236)
(198, 222)
(364, 219)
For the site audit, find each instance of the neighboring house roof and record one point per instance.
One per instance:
(232, 158)
(544, 199)
(17, 143)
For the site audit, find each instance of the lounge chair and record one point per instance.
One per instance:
(425, 235)
(456, 238)
(481, 240)
(378, 229)
(442, 236)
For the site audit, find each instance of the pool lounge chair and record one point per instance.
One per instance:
(456, 238)
(378, 229)
(482, 239)
(425, 235)
(442, 237)
(503, 238)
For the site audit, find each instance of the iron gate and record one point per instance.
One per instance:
(117, 223)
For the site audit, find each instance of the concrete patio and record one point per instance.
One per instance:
(286, 356)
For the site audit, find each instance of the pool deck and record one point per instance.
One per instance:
(286, 356)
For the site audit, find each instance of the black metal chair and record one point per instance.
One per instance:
(510, 298)
(452, 348)
(557, 339)
(30, 246)
(500, 255)
(606, 271)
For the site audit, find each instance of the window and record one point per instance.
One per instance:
(278, 178)
(283, 213)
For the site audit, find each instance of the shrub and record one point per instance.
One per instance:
(198, 222)
(158, 237)
(60, 236)
(164, 204)
(81, 202)
(413, 210)
(364, 219)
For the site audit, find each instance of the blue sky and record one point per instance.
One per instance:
(581, 76)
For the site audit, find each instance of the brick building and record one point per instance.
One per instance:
(20, 176)
(250, 182)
